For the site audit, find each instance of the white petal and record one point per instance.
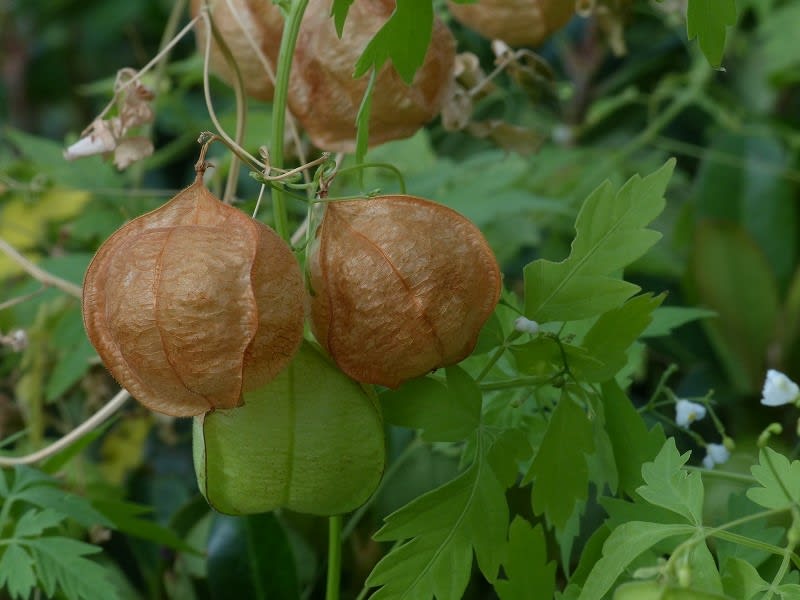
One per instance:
(687, 412)
(718, 453)
(526, 325)
(778, 389)
(708, 462)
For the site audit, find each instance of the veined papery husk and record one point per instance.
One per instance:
(193, 303)
(399, 286)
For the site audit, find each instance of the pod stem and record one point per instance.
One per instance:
(291, 29)
(334, 557)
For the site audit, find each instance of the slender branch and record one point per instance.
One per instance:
(21, 299)
(90, 424)
(39, 274)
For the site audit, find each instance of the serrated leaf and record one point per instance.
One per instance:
(33, 522)
(403, 39)
(444, 412)
(707, 20)
(445, 526)
(779, 478)
(75, 507)
(559, 471)
(16, 572)
(61, 563)
(614, 332)
(339, 12)
(622, 547)
(667, 318)
(526, 565)
(633, 444)
(669, 486)
(611, 232)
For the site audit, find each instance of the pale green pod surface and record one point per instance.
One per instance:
(311, 441)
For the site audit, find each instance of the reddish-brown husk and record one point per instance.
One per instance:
(235, 20)
(325, 98)
(399, 286)
(193, 303)
(516, 22)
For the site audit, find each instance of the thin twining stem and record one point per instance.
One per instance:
(38, 273)
(73, 436)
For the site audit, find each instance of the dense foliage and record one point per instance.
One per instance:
(615, 432)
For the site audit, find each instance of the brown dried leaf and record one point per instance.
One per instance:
(193, 303)
(131, 150)
(399, 286)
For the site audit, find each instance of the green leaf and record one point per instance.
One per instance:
(61, 564)
(250, 557)
(339, 12)
(668, 318)
(445, 413)
(622, 547)
(739, 505)
(614, 332)
(75, 507)
(526, 565)
(559, 471)
(707, 20)
(633, 444)
(403, 39)
(16, 572)
(125, 517)
(740, 579)
(33, 522)
(444, 527)
(732, 276)
(705, 575)
(611, 232)
(671, 487)
(780, 480)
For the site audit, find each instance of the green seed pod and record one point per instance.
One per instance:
(311, 441)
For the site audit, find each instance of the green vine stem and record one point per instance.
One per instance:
(291, 29)
(334, 557)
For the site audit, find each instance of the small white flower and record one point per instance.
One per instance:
(687, 412)
(716, 454)
(778, 389)
(526, 325)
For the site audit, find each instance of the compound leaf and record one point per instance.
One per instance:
(611, 232)
(779, 478)
(560, 472)
(669, 486)
(16, 572)
(62, 564)
(625, 543)
(526, 564)
(403, 39)
(444, 527)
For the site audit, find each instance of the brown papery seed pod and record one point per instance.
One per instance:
(399, 286)
(192, 304)
(237, 20)
(516, 22)
(325, 98)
